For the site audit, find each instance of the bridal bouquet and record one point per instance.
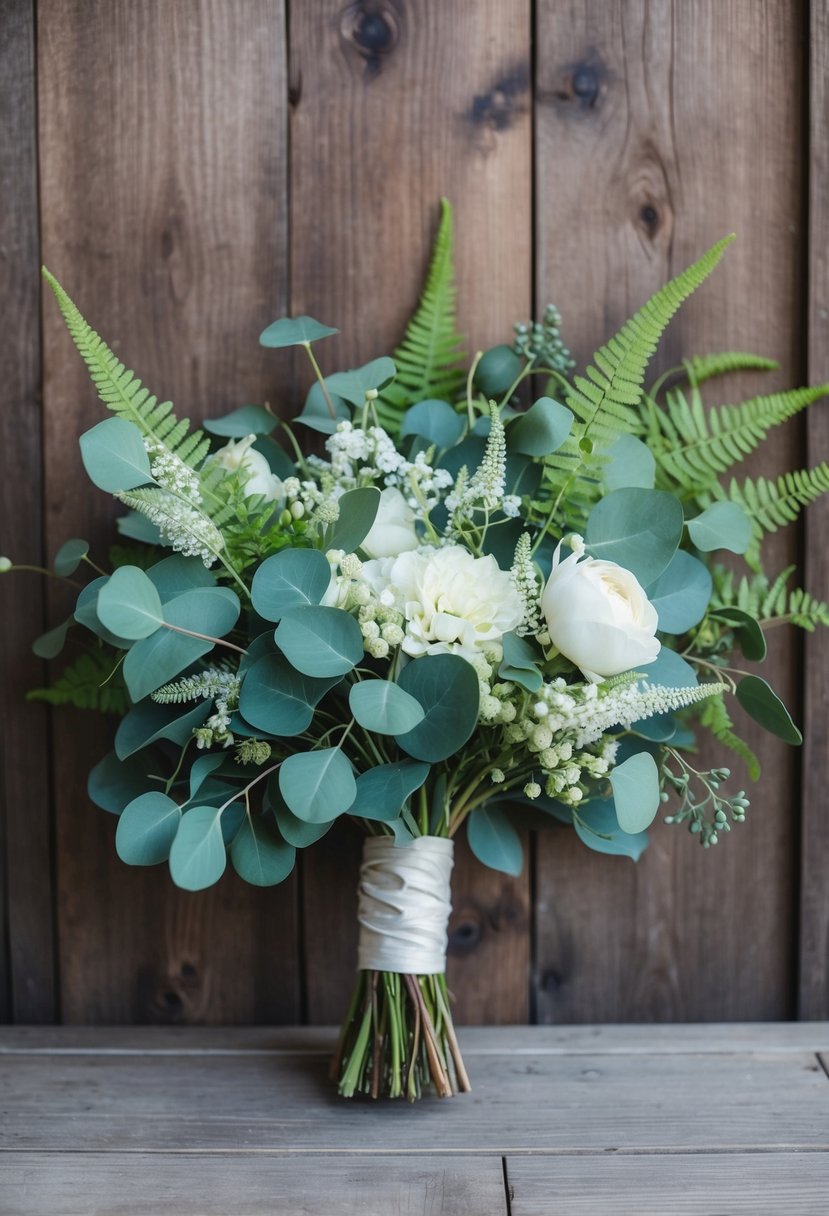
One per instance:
(484, 598)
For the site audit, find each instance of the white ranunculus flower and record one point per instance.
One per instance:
(239, 454)
(393, 530)
(453, 603)
(598, 615)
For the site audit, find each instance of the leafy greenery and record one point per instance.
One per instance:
(700, 368)
(91, 681)
(773, 504)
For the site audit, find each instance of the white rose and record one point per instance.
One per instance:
(239, 455)
(598, 615)
(393, 530)
(453, 603)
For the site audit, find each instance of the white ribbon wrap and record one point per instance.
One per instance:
(403, 906)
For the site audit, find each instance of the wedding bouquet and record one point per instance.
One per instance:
(467, 605)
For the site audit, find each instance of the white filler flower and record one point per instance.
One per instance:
(598, 615)
(453, 603)
(393, 530)
(241, 455)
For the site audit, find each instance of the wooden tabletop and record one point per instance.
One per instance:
(699, 1119)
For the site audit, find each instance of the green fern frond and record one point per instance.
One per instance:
(123, 393)
(694, 445)
(716, 718)
(92, 681)
(774, 604)
(771, 504)
(700, 368)
(429, 359)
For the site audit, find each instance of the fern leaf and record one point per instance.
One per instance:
(122, 392)
(429, 359)
(772, 504)
(92, 681)
(700, 368)
(716, 718)
(693, 446)
(775, 604)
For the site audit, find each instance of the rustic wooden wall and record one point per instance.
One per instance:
(191, 169)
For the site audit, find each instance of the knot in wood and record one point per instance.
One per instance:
(372, 29)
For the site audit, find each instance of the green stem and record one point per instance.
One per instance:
(321, 380)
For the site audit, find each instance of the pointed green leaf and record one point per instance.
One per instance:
(147, 722)
(358, 510)
(762, 703)
(69, 556)
(494, 840)
(382, 791)
(294, 331)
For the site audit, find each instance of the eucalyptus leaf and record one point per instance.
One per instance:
(197, 856)
(129, 604)
(358, 511)
(494, 840)
(295, 831)
(259, 855)
(723, 525)
(316, 414)
(669, 670)
(114, 456)
(636, 794)
(69, 556)
(294, 331)
(353, 385)
(638, 529)
(113, 783)
(279, 700)
(447, 688)
(520, 662)
(630, 462)
(49, 645)
(200, 770)
(147, 722)
(435, 421)
(288, 580)
(317, 785)
(146, 829)
(750, 636)
(762, 703)
(136, 526)
(597, 826)
(681, 594)
(247, 420)
(86, 614)
(382, 791)
(176, 574)
(279, 461)
(542, 430)
(320, 641)
(383, 707)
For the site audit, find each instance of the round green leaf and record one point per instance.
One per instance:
(155, 660)
(630, 462)
(176, 574)
(497, 370)
(762, 703)
(681, 594)
(723, 525)
(494, 840)
(635, 785)
(86, 614)
(317, 785)
(146, 829)
(382, 791)
(294, 331)
(137, 527)
(447, 688)
(114, 456)
(247, 420)
(198, 857)
(520, 663)
(69, 556)
(320, 641)
(113, 783)
(288, 580)
(435, 421)
(383, 706)
(542, 429)
(259, 855)
(296, 831)
(597, 826)
(637, 529)
(279, 700)
(353, 385)
(669, 670)
(317, 416)
(129, 605)
(358, 510)
(147, 722)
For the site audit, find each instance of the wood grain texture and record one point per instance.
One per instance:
(197, 1184)
(757, 1100)
(163, 150)
(738, 1184)
(659, 129)
(27, 991)
(394, 105)
(814, 906)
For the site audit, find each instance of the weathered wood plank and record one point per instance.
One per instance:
(757, 1184)
(394, 106)
(659, 129)
(27, 955)
(163, 135)
(814, 907)
(520, 1102)
(195, 1184)
(731, 1038)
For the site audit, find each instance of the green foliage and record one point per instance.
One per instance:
(694, 445)
(715, 717)
(320, 641)
(494, 840)
(146, 829)
(723, 525)
(635, 785)
(700, 368)
(91, 681)
(681, 594)
(637, 529)
(428, 358)
(383, 706)
(762, 703)
(773, 504)
(123, 393)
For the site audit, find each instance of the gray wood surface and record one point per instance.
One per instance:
(660, 128)
(814, 905)
(738, 1184)
(27, 961)
(197, 1184)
